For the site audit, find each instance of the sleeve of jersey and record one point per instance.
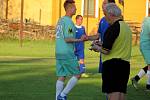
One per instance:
(146, 25)
(110, 36)
(99, 27)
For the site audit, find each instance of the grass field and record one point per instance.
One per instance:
(28, 73)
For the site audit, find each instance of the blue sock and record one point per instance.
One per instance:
(82, 68)
(100, 65)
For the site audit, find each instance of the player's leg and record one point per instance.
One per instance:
(100, 64)
(72, 68)
(146, 55)
(137, 77)
(71, 83)
(122, 96)
(80, 56)
(115, 78)
(108, 83)
(61, 77)
(59, 85)
(82, 66)
(148, 80)
(114, 96)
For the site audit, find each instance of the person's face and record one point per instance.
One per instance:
(73, 9)
(108, 18)
(79, 20)
(104, 6)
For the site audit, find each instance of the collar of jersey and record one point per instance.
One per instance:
(78, 26)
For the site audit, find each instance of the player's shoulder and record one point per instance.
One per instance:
(61, 21)
(146, 20)
(103, 19)
(83, 27)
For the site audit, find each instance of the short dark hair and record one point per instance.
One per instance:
(77, 17)
(111, 1)
(67, 2)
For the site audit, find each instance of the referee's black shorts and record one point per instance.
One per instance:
(115, 75)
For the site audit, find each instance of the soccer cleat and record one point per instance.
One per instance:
(147, 87)
(85, 75)
(61, 98)
(134, 83)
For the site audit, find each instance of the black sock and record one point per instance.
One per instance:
(137, 78)
(147, 86)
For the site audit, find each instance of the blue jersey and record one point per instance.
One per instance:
(79, 46)
(80, 30)
(103, 25)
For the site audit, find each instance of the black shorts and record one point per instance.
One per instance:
(115, 75)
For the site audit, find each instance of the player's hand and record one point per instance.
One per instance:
(97, 42)
(84, 38)
(95, 48)
(149, 67)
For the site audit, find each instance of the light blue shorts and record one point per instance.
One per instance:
(67, 67)
(145, 50)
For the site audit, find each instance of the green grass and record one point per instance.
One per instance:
(29, 49)
(28, 73)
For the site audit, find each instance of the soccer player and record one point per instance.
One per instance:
(79, 46)
(66, 61)
(103, 25)
(145, 50)
(116, 54)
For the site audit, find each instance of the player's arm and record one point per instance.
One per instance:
(149, 67)
(98, 48)
(110, 36)
(70, 40)
(93, 37)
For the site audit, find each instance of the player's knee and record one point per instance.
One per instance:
(61, 78)
(78, 76)
(145, 69)
(81, 61)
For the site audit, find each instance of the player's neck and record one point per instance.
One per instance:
(69, 15)
(78, 24)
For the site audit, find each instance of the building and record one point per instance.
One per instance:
(47, 12)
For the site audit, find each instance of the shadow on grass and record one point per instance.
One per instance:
(24, 60)
(34, 83)
(140, 94)
(37, 82)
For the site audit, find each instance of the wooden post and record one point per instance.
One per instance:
(59, 8)
(21, 23)
(6, 16)
(1, 8)
(87, 26)
(40, 16)
(99, 14)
